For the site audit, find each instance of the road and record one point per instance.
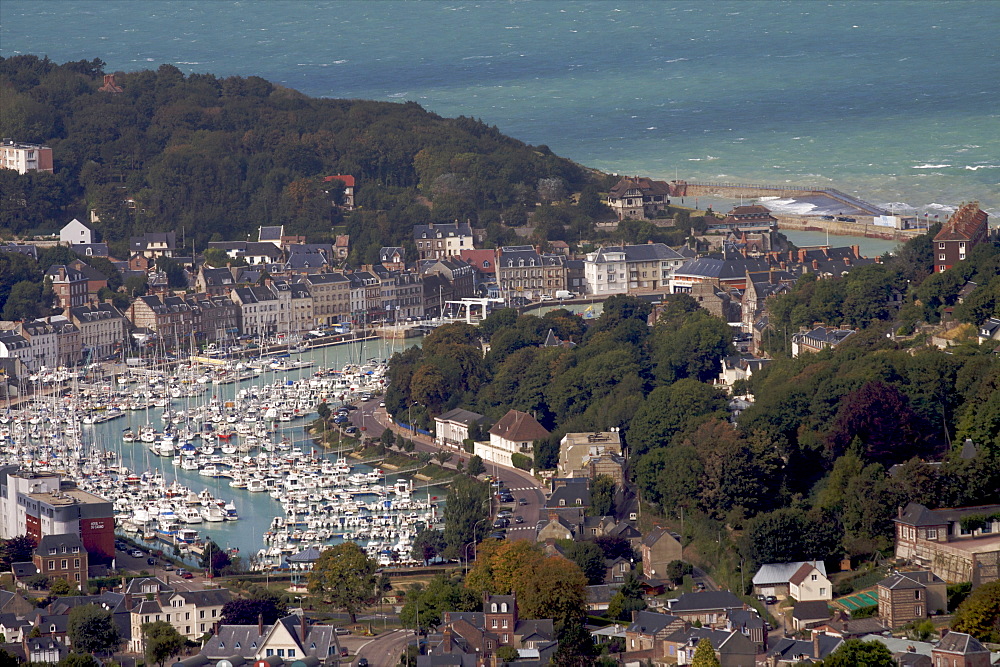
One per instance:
(374, 420)
(384, 651)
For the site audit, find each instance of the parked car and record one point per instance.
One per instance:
(344, 652)
(135, 553)
(519, 519)
(341, 631)
(362, 662)
(770, 599)
(505, 514)
(150, 561)
(351, 429)
(522, 501)
(168, 567)
(501, 523)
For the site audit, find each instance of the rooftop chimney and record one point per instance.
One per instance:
(816, 636)
(446, 640)
(304, 627)
(260, 624)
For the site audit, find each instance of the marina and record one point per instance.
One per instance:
(197, 451)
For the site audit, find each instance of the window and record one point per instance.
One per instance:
(916, 594)
(988, 528)
(822, 591)
(494, 623)
(493, 608)
(52, 565)
(940, 246)
(201, 614)
(814, 577)
(291, 653)
(503, 607)
(932, 533)
(562, 502)
(281, 653)
(504, 623)
(269, 652)
(506, 638)
(76, 562)
(941, 257)
(918, 611)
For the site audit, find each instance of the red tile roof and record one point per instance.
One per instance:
(517, 426)
(967, 223)
(347, 180)
(483, 260)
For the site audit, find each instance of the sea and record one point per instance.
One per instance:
(896, 102)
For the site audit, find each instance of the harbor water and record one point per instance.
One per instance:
(256, 510)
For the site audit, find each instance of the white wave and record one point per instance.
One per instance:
(711, 157)
(694, 159)
(789, 206)
(768, 198)
(676, 60)
(184, 62)
(476, 57)
(941, 207)
(982, 166)
(930, 166)
(651, 128)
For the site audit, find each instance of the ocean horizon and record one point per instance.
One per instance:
(893, 102)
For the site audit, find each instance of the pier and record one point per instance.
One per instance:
(756, 191)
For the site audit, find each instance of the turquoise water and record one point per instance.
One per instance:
(256, 510)
(894, 101)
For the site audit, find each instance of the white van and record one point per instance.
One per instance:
(564, 294)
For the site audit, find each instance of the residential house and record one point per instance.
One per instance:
(659, 548)
(393, 258)
(14, 346)
(220, 319)
(788, 652)
(739, 368)
(648, 631)
(745, 218)
(639, 197)
(459, 274)
(721, 302)
(774, 579)
(96, 281)
(193, 613)
(91, 249)
(295, 308)
(74, 232)
(809, 582)
(62, 557)
(806, 615)
(483, 263)
(728, 271)
(23, 157)
(956, 544)
(214, 282)
(452, 428)
(905, 597)
(523, 271)
(818, 339)
(291, 638)
(271, 235)
(366, 296)
(69, 285)
(170, 317)
(303, 262)
(154, 244)
(989, 330)
(45, 650)
(706, 607)
(576, 449)
(473, 637)
(331, 294)
(21, 248)
(440, 241)
(44, 343)
(732, 648)
(402, 294)
(957, 649)
(968, 227)
(631, 269)
(347, 198)
(254, 253)
(102, 328)
(556, 528)
(515, 433)
(258, 310)
(599, 597)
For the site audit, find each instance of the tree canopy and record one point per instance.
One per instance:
(344, 576)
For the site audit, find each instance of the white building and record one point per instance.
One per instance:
(25, 157)
(452, 427)
(76, 232)
(515, 433)
(576, 449)
(631, 268)
(102, 328)
(260, 310)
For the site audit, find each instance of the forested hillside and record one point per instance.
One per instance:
(218, 157)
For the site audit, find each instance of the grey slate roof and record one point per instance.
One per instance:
(916, 514)
(780, 573)
(705, 601)
(910, 580)
(790, 649)
(811, 610)
(650, 622)
(959, 642)
(461, 416)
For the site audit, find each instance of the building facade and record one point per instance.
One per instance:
(23, 158)
(968, 227)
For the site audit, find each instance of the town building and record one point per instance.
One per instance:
(818, 339)
(271, 235)
(193, 613)
(102, 328)
(16, 347)
(217, 318)
(647, 632)
(214, 282)
(23, 158)
(957, 649)
(709, 608)
(452, 428)
(591, 454)
(472, 638)
(989, 330)
(258, 310)
(331, 294)
(402, 295)
(292, 638)
(806, 615)
(366, 296)
(956, 544)
(254, 253)
(154, 244)
(68, 284)
(732, 648)
(295, 308)
(748, 218)
(515, 433)
(639, 197)
(39, 504)
(342, 247)
(170, 317)
(646, 267)
(523, 271)
(439, 241)
(460, 276)
(392, 258)
(658, 549)
(905, 597)
(787, 651)
(968, 227)
(62, 556)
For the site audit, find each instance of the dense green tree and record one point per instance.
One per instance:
(671, 410)
(704, 655)
(345, 577)
(92, 629)
(247, 611)
(590, 559)
(857, 653)
(475, 467)
(442, 594)
(507, 654)
(602, 496)
(61, 587)
(466, 506)
(789, 534)
(71, 660)
(216, 257)
(162, 641)
(979, 614)
(427, 545)
(23, 302)
(628, 598)
(17, 549)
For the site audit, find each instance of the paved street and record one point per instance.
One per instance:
(384, 651)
